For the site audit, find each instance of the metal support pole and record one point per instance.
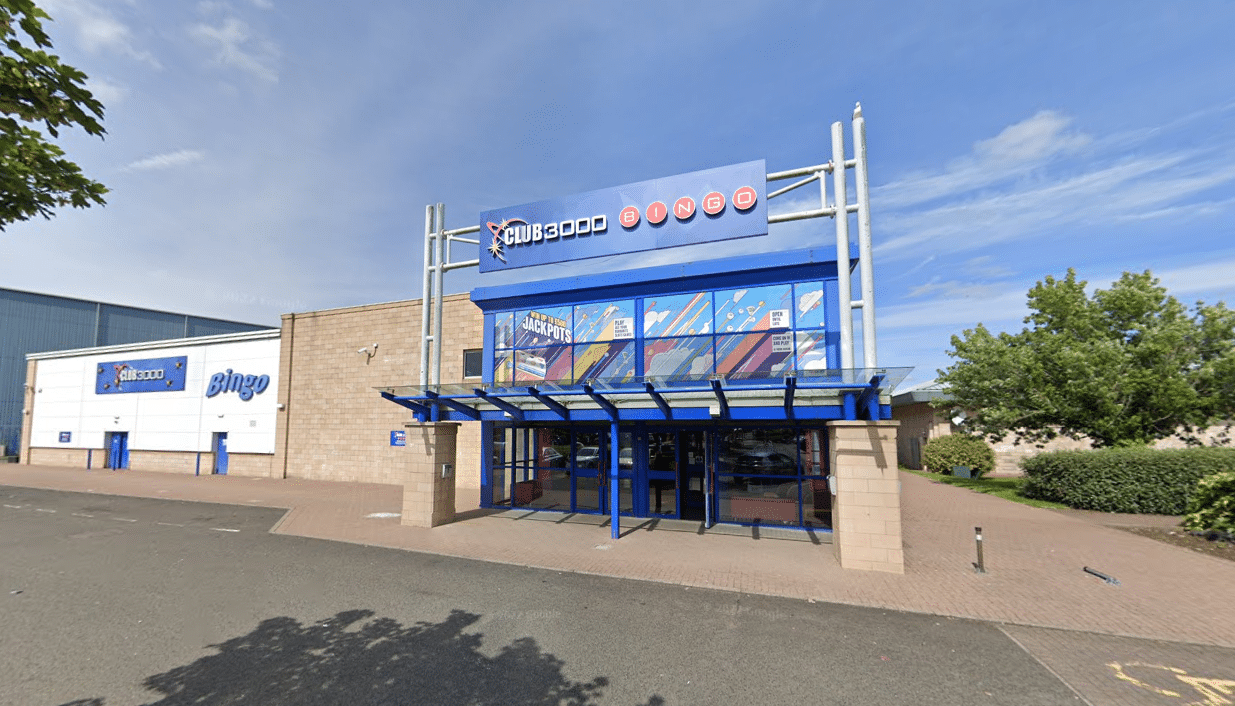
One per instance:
(866, 265)
(439, 273)
(707, 479)
(977, 535)
(839, 192)
(614, 459)
(426, 290)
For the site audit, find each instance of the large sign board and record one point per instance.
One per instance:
(147, 375)
(699, 207)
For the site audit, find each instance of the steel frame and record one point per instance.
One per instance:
(439, 239)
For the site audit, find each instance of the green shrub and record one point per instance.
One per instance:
(1135, 480)
(943, 452)
(1213, 504)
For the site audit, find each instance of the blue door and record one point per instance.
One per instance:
(220, 453)
(117, 449)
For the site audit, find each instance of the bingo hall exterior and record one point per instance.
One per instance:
(714, 391)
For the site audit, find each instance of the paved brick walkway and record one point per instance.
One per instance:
(1034, 557)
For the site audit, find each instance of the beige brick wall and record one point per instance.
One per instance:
(335, 425)
(73, 458)
(867, 531)
(919, 423)
(923, 422)
(167, 461)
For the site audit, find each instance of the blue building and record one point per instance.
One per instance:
(35, 323)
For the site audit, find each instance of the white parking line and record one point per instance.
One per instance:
(81, 514)
(223, 529)
(39, 509)
(14, 507)
(122, 519)
(168, 524)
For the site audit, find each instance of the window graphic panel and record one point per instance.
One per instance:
(812, 350)
(754, 309)
(543, 327)
(678, 358)
(605, 321)
(503, 330)
(605, 361)
(750, 355)
(810, 307)
(677, 315)
(503, 367)
(540, 364)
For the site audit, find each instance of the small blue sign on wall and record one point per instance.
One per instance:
(398, 438)
(699, 207)
(66, 437)
(147, 375)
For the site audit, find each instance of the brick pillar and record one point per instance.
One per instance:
(866, 512)
(428, 498)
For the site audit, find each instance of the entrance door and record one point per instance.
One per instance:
(589, 459)
(692, 465)
(117, 449)
(220, 453)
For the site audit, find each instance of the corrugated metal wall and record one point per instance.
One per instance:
(35, 323)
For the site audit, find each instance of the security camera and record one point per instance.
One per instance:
(362, 351)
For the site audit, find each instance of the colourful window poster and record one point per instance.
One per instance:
(812, 350)
(543, 327)
(754, 309)
(503, 330)
(541, 364)
(810, 307)
(754, 355)
(613, 361)
(678, 358)
(677, 315)
(605, 321)
(503, 367)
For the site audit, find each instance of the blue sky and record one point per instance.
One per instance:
(268, 156)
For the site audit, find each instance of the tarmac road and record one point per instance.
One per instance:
(109, 600)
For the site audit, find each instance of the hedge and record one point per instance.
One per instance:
(943, 452)
(1134, 480)
(1213, 504)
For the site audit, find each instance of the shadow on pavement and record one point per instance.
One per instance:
(355, 659)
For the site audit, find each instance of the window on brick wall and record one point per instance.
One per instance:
(473, 363)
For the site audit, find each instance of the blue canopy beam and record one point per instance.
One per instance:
(720, 397)
(605, 404)
(552, 404)
(501, 404)
(421, 411)
(665, 409)
(466, 410)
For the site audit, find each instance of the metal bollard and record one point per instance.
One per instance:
(980, 566)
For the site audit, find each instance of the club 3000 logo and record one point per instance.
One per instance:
(514, 232)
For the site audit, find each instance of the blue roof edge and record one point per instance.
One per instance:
(785, 265)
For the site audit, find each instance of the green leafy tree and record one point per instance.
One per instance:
(35, 88)
(1126, 366)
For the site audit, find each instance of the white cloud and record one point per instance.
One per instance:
(98, 30)
(1018, 149)
(1128, 188)
(107, 92)
(237, 46)
(1203, 277)
(167, 160)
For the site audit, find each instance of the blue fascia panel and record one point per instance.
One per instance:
(744, 271)
(652, 414)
